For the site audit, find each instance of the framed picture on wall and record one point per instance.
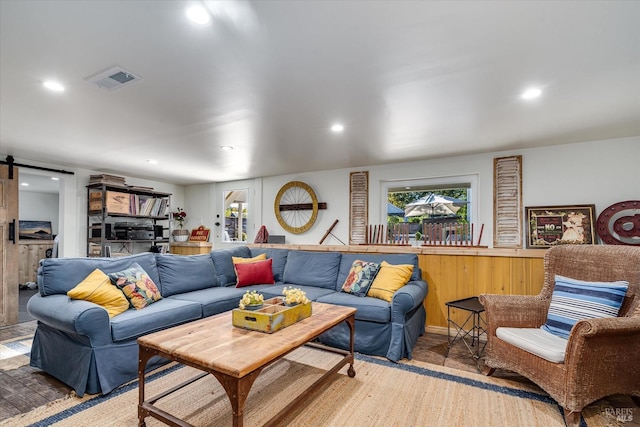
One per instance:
(35, 230)
(549, 226)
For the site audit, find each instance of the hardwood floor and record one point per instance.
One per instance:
(24, 388)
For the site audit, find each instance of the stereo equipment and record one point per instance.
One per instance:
(275, 238)
(158, 232)
(133, 231)
(108, 233)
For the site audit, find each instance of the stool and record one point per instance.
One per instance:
(475, 330)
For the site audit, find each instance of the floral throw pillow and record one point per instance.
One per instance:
(360, 277)
(136, 285)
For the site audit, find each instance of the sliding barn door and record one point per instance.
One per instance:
(9, 247)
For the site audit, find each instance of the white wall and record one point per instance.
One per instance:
(35, 206)
(597, 172)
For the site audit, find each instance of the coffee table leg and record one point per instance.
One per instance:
(237, 390)
(351, 321)
(143, 357)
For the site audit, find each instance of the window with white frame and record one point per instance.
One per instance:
(430, 200)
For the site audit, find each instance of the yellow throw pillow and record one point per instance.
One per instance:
(389, 279)
(97, 288)
(239, 260)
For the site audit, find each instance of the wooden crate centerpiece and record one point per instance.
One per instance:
(273, 316)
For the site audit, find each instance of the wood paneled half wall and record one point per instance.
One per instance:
(457, 273)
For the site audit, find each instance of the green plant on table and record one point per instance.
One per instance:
(251, 298)
(294, 296)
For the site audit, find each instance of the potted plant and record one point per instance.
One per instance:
(180, 234)
(294, 296)
(251, 300)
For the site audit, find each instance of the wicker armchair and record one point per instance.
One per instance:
(602, 354)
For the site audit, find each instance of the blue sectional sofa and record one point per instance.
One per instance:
(77, 342)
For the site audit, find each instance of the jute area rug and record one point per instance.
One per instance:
(381, 394)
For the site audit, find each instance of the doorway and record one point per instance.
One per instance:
(39, 207)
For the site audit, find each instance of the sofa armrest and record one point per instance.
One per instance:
(515, 311)
(407, 298)
(72, 316)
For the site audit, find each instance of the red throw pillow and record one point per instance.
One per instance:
(254, 273)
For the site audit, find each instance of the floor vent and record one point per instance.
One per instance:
(114, 78)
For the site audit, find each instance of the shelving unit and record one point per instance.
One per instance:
(121, 219)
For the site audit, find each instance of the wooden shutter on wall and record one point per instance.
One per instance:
(358, 207)
(507, 202)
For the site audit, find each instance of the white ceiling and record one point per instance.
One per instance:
(409, 80)
(38, 183)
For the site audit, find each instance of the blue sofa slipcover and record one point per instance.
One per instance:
(77, 343)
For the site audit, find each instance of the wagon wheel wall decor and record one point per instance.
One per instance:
(619, 224)
(296, 207)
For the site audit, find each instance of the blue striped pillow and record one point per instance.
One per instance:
(574, 300)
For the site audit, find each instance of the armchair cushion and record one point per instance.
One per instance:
(536, 341)
(574, 300)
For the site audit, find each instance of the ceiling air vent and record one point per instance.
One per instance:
(114, 78)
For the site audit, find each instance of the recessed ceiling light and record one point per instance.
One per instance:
(53, 86)
(55, 178)
(531, 93)
(198, 15)
(226, 147)
(152, 162)
(337, 128)
(24, 184)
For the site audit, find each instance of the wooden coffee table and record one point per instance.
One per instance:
(236, 357)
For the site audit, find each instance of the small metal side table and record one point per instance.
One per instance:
(473, 327)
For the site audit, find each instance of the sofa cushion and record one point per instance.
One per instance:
(389, 279)
(536, 341)
(98, 289)
(222, 260)
(319, 269)
(313, 293)
(347, 261)
(360, 277)
(179, 273)
(369, 309)
(216, 300)
(59, 275)
(137, 286)
(161, 315)
(279, 257)
(574, 300)
(254, 273)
